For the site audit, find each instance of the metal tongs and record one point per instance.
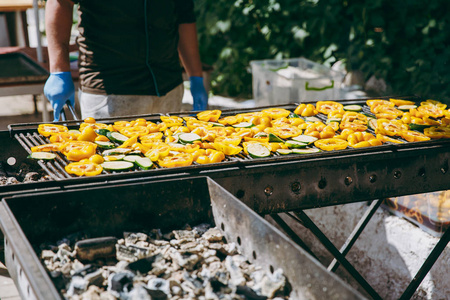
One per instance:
(72, 111)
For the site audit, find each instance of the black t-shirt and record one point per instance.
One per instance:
(130, 47)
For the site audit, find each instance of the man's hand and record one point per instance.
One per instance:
(198, 93)
(58, 89)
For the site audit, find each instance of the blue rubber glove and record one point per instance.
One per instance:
(198, 93)
(58, 89)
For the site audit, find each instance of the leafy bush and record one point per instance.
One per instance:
(404, 42)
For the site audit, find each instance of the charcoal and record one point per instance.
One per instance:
(193, 264)
(143, 265)
(158, 288)
(120, 282)
(78, 285)
(91, 249)
(11, 180)
(213, 235)
(32, 176)
(248, 293)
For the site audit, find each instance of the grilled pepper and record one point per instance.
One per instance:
(331, 144)
(326, 107)
(306, 110)
(209, 115)
(78, 150)
(54, 147)
(180, 160)
(437, 132)
(51, 129)
(414, 136)
(210, 156)
(390, 127)
(276, 113)
(84, 168)
(362, 139)
(172, 121)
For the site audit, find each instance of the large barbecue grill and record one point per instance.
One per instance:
(274, 184)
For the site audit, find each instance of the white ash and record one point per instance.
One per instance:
(193, 263)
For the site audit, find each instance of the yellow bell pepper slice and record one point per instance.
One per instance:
(51, 129)
(180, 160)
(84, 168)
(209, 115)
(331, 144)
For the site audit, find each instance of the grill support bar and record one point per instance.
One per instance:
(336, 253)
(356, 233)
(426, 266)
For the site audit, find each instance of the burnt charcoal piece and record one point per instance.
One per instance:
(58, 279)
(158, 288)
(121, 282)
(248, 293)
(86, 270)
(91, 249)
(143, 265)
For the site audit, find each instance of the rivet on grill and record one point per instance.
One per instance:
(295, 187)
(397, 174)
(268, 190)
(348, 180)
(373, 178)
(322, 183)
(444, 169)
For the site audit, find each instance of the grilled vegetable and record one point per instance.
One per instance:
(284, 151)
(42, 155)
(419, 127)
(84, 168)
(294, 144)
(407, 107)
(117, 165)
(114, 157)
(105, 145)
(274, 139)
(243, 125)
(312, 119)
(144, 163)
(116, 137)
(306, 151)
(257, 150)
(115, 151)
(189, 138)
(306, 139)
(355, 107)
(102, 131)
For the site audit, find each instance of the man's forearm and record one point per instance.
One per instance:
(188, 49)
(58, 23)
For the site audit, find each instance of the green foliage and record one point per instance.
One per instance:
(404, 42)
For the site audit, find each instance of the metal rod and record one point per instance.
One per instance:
(292, 234)
(40, 57)
(368, 214)
(335, 252)
(429, 262)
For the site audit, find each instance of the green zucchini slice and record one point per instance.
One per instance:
(114, 157)
(105, 145)
(284, 151)
(131, 158)
(274, 139)
(189, 138)
(215, 124)
(306, 151)
(295, 144)
(293, 115)
(353, 107)
(144, 163)
(257, 150)
(407, 107)
(306, 139)
(419, 127)
(243, 125)
(333, 120)
(42, 155)
(117, 165)
(115, 151)
(102, 131)
(116, 137)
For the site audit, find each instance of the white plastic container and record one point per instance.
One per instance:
(293, 80)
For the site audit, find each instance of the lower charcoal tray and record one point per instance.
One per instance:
(29, 220)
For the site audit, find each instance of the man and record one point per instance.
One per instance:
(129, 58)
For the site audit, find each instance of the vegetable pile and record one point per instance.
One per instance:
(210, 137)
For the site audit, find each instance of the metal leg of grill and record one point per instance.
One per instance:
(356, 232)
(292, 234)
(426, 266)
(335, 252)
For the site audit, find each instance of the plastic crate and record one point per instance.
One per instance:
(293, 80)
